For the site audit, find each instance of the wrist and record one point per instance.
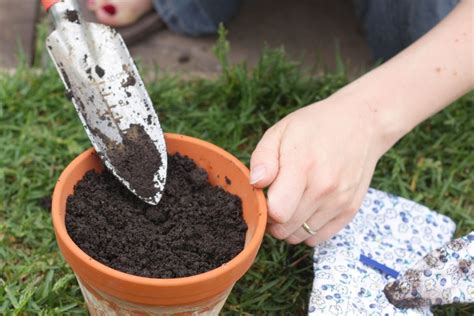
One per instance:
(382, 113)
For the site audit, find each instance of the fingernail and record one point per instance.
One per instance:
(110, 9)
(90, 2)
(257, 174)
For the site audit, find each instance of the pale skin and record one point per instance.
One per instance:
(119, 12)
(319, 160)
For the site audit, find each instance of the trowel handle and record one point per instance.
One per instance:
(49, 3)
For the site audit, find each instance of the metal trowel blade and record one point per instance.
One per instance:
(106, 89)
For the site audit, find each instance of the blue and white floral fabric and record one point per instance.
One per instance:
(392, 231)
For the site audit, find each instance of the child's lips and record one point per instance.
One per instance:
(110, 9)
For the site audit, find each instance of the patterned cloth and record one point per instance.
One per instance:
(388, 229)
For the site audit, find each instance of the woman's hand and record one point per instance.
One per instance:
(319, 162)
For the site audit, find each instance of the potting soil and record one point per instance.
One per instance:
(136, 160)
(195, 228)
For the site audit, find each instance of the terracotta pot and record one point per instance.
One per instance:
(111, 292)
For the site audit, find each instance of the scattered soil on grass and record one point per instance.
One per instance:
(45, 202)
(195, 228)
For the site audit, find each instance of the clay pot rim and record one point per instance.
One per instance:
(91, 263)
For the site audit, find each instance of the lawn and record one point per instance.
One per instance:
(40, 134)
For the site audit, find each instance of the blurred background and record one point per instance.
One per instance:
(311, 31)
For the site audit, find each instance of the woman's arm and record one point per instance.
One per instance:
(423, 79)
(319, 160)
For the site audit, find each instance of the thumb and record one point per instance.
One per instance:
(264, 162)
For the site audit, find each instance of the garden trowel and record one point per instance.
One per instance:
(105, 87)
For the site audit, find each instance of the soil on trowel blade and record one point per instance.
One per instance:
(72, 16)
(136, 159)
(195, 228)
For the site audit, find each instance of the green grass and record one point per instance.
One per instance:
(40, 134)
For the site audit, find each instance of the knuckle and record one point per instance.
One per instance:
(278, 213)
(352, 209)
(325, 188)
(332, 185)
(295, 164)
(293, 240)
(343, 200)
(272, 129)
(258, 155)
(267, 143)
(312, 242)
(347, 187)
(279, 232)
(320, 238)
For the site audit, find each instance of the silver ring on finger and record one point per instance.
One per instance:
(308, 229)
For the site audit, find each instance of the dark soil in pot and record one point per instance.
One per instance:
(195, 228)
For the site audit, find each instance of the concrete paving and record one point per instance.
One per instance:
(17, 31)
(311, 31)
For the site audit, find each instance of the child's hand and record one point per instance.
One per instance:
(318, 162)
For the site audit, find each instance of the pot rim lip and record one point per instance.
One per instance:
(89, 262)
